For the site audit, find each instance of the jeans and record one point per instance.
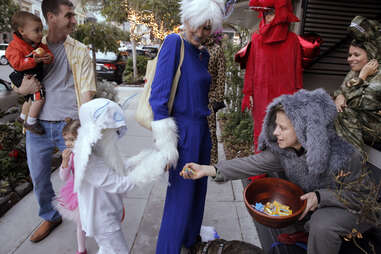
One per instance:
(39, 149)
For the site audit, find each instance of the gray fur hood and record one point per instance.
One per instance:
(312, 114)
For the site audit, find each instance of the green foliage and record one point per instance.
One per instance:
(164, 11)
(13, 165)
(167, 12)
(141, 63)
(114, 10)
(7, 9)
(94, 34)
(238, 126)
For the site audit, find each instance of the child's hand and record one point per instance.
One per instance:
(195, 171)
(38, 59)
(66, 157)
(47, 59)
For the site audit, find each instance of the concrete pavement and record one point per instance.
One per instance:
(224, 208)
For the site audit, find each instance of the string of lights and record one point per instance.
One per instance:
(145, 18)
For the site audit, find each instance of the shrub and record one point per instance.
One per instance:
(141, 63)
(13, 163)
(237, 132)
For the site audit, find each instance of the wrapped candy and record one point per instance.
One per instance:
(187, 171)
(274, 209)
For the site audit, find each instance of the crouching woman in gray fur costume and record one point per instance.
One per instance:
(298, 138)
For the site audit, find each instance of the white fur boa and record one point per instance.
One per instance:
(165, 137)
(149, 165)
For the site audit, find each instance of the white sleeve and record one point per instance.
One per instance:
(102, 177)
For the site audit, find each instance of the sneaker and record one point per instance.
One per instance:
(35, 128)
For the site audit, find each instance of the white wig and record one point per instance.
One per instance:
(198, 12)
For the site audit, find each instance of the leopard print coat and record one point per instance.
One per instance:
(217, 69)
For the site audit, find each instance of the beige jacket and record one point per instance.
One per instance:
(81, 65)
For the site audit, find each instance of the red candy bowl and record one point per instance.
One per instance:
(268, 189)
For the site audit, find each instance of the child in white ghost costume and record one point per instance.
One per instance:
(100, 177)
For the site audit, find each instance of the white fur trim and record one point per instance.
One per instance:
(164, 132)
(133, 161)
(197, 12)
(150, 167)
(87, 137)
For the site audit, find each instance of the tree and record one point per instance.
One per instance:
(160, 16)
(94, 34)
(7, 9)
(166, 12)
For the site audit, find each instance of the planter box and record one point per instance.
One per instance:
(8, 201)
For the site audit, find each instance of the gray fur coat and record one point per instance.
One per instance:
(312, 114)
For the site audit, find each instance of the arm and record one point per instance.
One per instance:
(102, 177)
(66, 165)
(64, 173)
(220, 79)
(164, 128)
(17, 59)
(87, 96)
(247, 100)
(264, 162)
(339, 97)
(88, 86)
(299, 65)
(166, 67)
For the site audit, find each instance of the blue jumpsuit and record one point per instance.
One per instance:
(184, 204)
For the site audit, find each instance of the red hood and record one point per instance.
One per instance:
(277, 30)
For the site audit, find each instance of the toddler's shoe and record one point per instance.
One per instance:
(83, 252)
(20, 120)
(35, 128)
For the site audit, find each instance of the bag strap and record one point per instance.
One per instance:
(175, 81)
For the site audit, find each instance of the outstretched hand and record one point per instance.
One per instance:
(195, 171)
(312, 203)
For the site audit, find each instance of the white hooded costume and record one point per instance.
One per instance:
(99, 179)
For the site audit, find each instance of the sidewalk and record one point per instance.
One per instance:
(224, 208)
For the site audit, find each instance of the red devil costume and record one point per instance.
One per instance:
(274, 64)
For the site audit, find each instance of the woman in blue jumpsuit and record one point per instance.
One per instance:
(185, 199)
(184, 204)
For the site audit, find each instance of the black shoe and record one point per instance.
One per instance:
(35, 128)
